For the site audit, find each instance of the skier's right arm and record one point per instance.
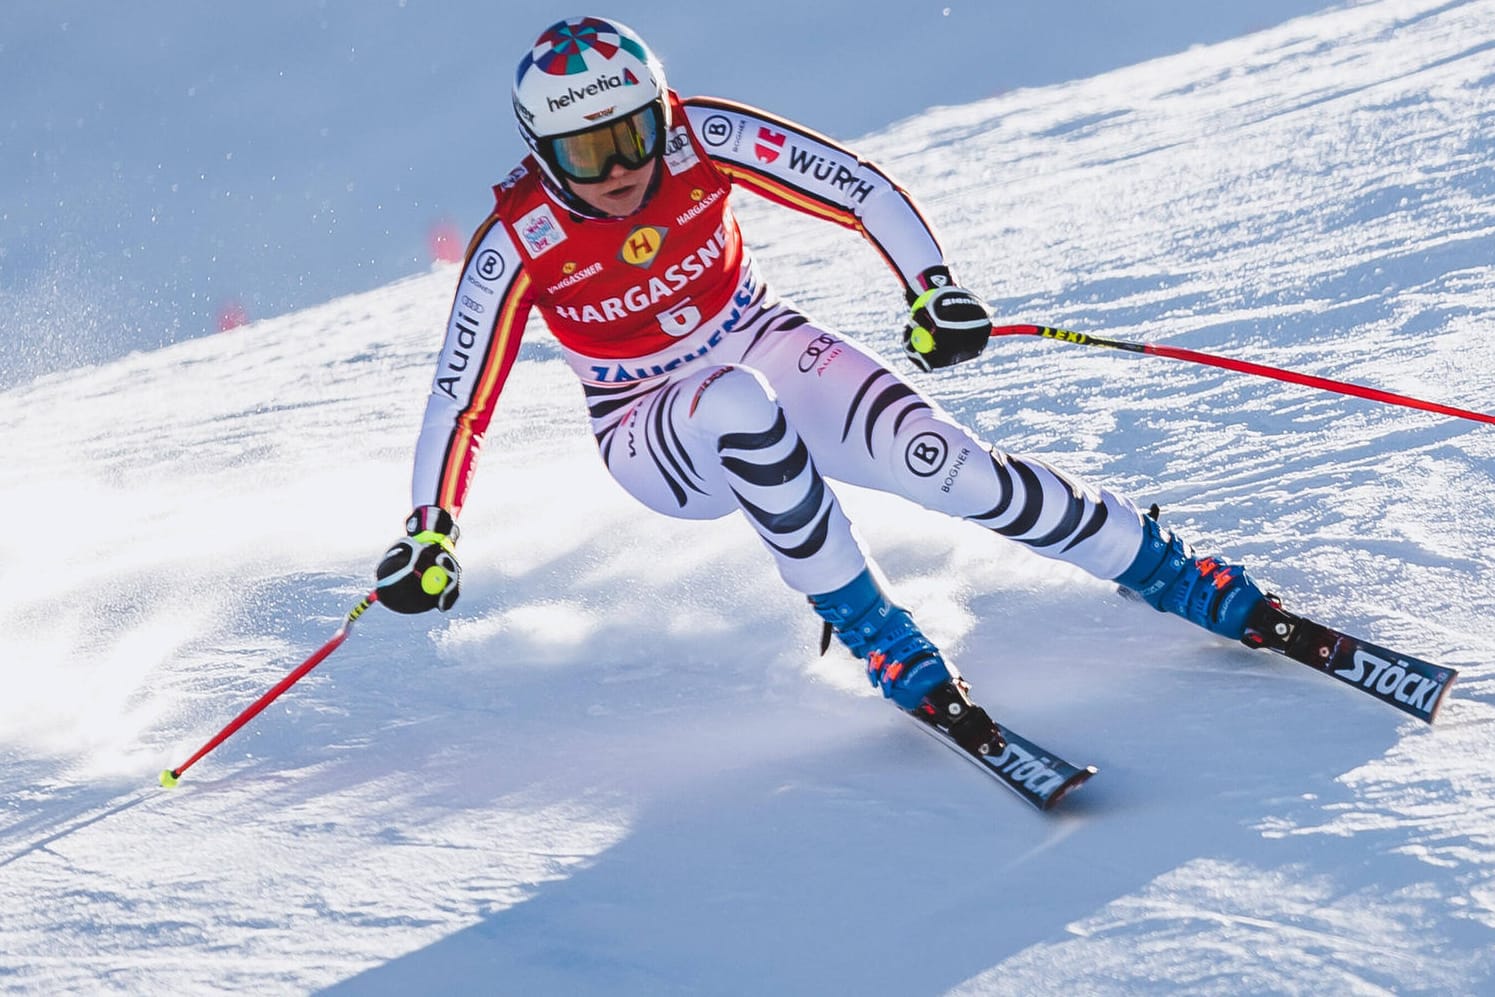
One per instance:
(489, 311)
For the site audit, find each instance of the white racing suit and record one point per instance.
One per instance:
(784, 404)
(706, 393)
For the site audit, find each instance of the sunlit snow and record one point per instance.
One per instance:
(619, 765)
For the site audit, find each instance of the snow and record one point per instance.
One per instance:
(619, 765)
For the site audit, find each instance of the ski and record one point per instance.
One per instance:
(1039, 776)
(1409, 684)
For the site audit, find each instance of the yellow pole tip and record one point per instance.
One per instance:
(167, 779)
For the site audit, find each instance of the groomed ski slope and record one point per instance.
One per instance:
(620, 768)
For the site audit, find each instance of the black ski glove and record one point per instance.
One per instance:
(947, 324)
(420, 571)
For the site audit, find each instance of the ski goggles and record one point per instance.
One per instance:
(588, 156)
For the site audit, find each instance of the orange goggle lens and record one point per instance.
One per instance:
(587, 157)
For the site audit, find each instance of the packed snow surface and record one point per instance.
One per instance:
(620, 767)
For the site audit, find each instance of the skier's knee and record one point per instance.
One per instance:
(732, 400)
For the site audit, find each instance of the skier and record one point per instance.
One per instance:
(708, 394)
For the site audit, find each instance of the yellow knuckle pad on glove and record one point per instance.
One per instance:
(434, 579)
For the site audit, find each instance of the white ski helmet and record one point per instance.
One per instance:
(589, 94)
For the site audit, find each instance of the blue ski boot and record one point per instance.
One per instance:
(900, 659)
(1203, 590)
(904, 664)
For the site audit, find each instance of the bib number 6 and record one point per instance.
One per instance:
(680, 320)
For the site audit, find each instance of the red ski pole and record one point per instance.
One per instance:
(1242, 366)
(169, 777)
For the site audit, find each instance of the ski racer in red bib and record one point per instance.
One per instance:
(709, 395)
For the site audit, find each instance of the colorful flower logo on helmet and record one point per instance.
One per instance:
(580, 46)
(579, 72)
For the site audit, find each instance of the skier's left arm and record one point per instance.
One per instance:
(802, 169)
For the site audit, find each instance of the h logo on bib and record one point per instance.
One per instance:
(642, 245)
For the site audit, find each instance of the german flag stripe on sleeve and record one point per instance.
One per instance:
(472, 422)
(800, 168)
(791, 196)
